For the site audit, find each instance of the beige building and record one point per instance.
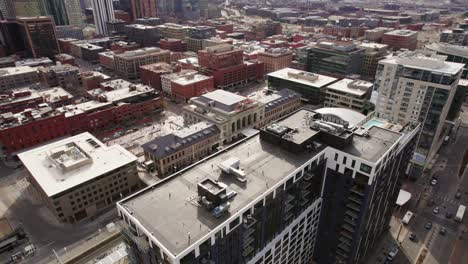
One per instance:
(275, 59)
(170, 30)
(277, 103)
(127, 64)
(372, 54)
(182, 148)
(79, 176)
(233, 114)
(348, 93)
(15, 77)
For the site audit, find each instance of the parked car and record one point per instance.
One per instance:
(428, 225)
(436, 210)
(448, 215)
(433, 182)
(392, 253)
(412, 237)
(458, 195)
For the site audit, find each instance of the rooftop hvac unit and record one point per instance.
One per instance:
(232, 166)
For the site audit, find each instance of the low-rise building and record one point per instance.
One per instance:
(93, 79)
(456, 36)
(56, 97)
(17, 100)
(16, 77)
(106, 59)
(171, 30)
(347, 93)
(79, 177)
(231, 113)
(401, 39)
(35, 62)
(150, 74)
(373, 53)
(128, 64)
(64, 58)
(182, 148)
(66, 76)
(277, 103)
(376, 34)
(275, 59)
(144, 35)
(310, 86)
(172, 44)
(191, 84)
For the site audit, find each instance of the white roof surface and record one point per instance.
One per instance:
(321, 81)
(224, 97)
(419, 61)
(351, 116)
(345, 87)
(77, 161)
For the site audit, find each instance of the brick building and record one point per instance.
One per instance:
(227, 66)
(401, 39)
(15, 77)
(275, 59)
(93, 79)
(66, 76)
(191, 85)
(150, 74)
(64, 58)
(175, 45)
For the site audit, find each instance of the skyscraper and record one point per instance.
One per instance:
(29, 8)
(56, 9)
(39, 36)
(74, 13)
(418, 87)
(103, 11)
(7, 9)
(144, 8)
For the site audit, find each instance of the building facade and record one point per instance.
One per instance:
(74, 13)
(128, 64)
(457, 36)
(347, 93)
(40, 37)
(150, 74)
(19, 76)
(401, 39)
(191, 84)
(79, 177)
(416, 88)
(103, 11)
(65, 76)
(275, 59)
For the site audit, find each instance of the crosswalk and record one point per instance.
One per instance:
(441, 198)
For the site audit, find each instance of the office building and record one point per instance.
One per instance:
(79, 177)
(93, 79)
(226, 64)
(171, 30)
(262, 200)
(65, 76)
(278, 104)
(145, 35)
(128, 64)
(401, 39)
(347, 93)
(70, 31)
(416, 87)
(275, 59)
(454, 53)
(16, 77)
(376, 34)
(56, 9)
(7, 9)
(39, 35)
(150, 74)
(310, 86)
(196, 35)
(173, 152)
(456, 36)
(74, 13)
(215, 41)
(29, 8)
(231, 113)
(150, 21)
(116, 26)
(143, 8)
(64, 58)
(174, 45)
(103, 11)
(374, 52)
(44, 61)
(335, 58)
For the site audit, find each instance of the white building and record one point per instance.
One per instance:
(348, 93)
(103, 11)
(418, 87)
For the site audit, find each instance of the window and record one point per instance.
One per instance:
(344, 160)
(336, 156)
(365, 168)
(353, 163)
(234, 223)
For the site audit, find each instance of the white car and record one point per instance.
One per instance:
(392, 254)
(433, 182)
(436, 210)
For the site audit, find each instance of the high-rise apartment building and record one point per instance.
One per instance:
(56, 9)
(74, 13)
(263, 199)
(418, 88)
(144, 8)
(454, 53)
(39, 35)
(456, 36)
(373, 53)
(347, 93)
(128, 64)
(103, 11)
(29, 8)
(7, 9)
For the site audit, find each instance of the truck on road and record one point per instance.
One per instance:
(460, 213)
(407, 217)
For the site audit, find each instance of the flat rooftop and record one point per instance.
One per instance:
(418, 60)
(190, 78)
(306, 78)
(16, 70)
(402, 32)
(67, 163)
(224, 97)
(166, 209)
(54, 94)
(349, 86)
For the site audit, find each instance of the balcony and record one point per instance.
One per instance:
(345, 241)
(289, 198)
(248, 221)
(305, 185)
(351, 214)
(346, 234)
(357, 191)
(248, 241)
(348, 228)
(354, 207)
(308, 176)
(248, 232)
(247, 251)
(354, 199)
(344, 247)
(350, 221)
